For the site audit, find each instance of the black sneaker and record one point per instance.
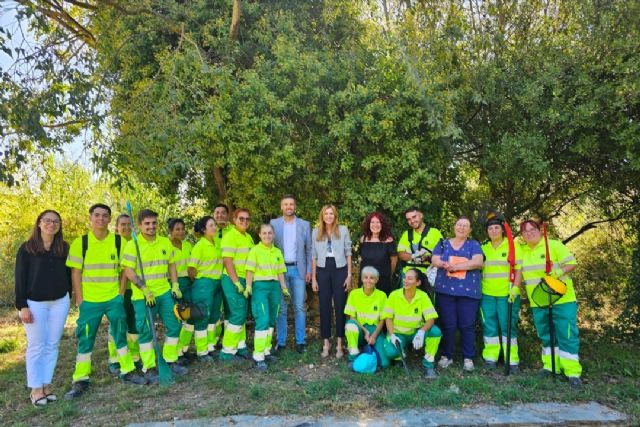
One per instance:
(183, 361)
(575, 382)
(133, 378)
(152, 376)
(77, 389)
(277, 349)
(543, 373)
(514, 369)
(205, 358)
(270, 359)
(114, 369)
(261, 366)
(490, 364)
(301, 348)
(430, 373)
(177, 369)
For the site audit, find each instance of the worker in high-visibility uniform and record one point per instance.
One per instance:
(182, 254)
(221, 217)
(416, 244)
(123, 229)
(364, 307)
(265, 282)
(235, 250)
(496, 295)
(565, 310)
(157, 256)
(95, 277)
(409, 317)
(205, 268)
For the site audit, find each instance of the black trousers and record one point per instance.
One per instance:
(331, 290)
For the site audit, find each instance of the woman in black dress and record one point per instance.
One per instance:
(377, 249)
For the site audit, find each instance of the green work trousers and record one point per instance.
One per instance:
(234, 339)
(88, 323)
(265, 305)
(493, 312)
(132, 333)
(164, 309)
(567, 342)
(431, 341)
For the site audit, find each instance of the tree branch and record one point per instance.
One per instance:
(594, 224)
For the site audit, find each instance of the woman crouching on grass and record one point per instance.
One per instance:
(409, 316)
(43, 284)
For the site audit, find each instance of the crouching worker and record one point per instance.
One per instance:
(265, 271)
(409, 316)
(157, 258)
(364, 308)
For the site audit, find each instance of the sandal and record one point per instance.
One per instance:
(39, 402)
(325, 350)
(51, 397)
(339, 352)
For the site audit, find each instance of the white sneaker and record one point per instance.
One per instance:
(468, 365)
(444, 362)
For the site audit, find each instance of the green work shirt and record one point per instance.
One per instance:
(206, 259)
(156, 256)
(533, 267)
(182, 257)
(265, 263)
(408, 316)
(495, 271)
(236, 245)
(429, 242)
(101, 267)
(366, 309)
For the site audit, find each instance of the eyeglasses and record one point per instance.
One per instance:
(50, 221)
(244, 218)
(530, 231)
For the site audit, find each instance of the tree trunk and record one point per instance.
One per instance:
(235, 20)
(221, 185)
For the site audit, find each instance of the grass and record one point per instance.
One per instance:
(306, 385)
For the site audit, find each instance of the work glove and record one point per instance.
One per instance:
(286, 294)
(149, 299)
(239, 287)
(514, 293)
(175, 290)
(247, 291)
(395, 340)
(418, 340)
(556, 272)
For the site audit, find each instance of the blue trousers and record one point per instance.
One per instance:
(297, 288)
(457, 313)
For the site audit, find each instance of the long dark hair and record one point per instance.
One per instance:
(35, 244)
(385, 230)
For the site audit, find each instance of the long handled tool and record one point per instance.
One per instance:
(552, 331)
(511, 259)
(402, 358)
(164, 371)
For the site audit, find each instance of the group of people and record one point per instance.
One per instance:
(225, 272)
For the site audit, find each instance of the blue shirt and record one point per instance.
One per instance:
(289, 241)
(469, 285)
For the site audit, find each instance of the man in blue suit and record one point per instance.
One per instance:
(293, 238)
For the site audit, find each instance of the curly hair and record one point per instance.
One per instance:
(385, 232)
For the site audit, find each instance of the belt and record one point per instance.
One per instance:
(290, 264)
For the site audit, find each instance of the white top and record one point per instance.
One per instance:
(289, 241)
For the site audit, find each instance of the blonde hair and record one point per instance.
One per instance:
(322, 227)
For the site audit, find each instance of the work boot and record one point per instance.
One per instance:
(232, 358)
(114, 369)
(490, 364)
(77, 389)
(277, 349)
(133, 378)
(205, 358)
(543, 373)
(575, 382)
(177, 369)
(138, 364)
(183, 361)
(514, 369)
(261, 366)
(444, 362)
(270, 359)
(152, 376)
(213, 354)
(430, 373)
(244, 353)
